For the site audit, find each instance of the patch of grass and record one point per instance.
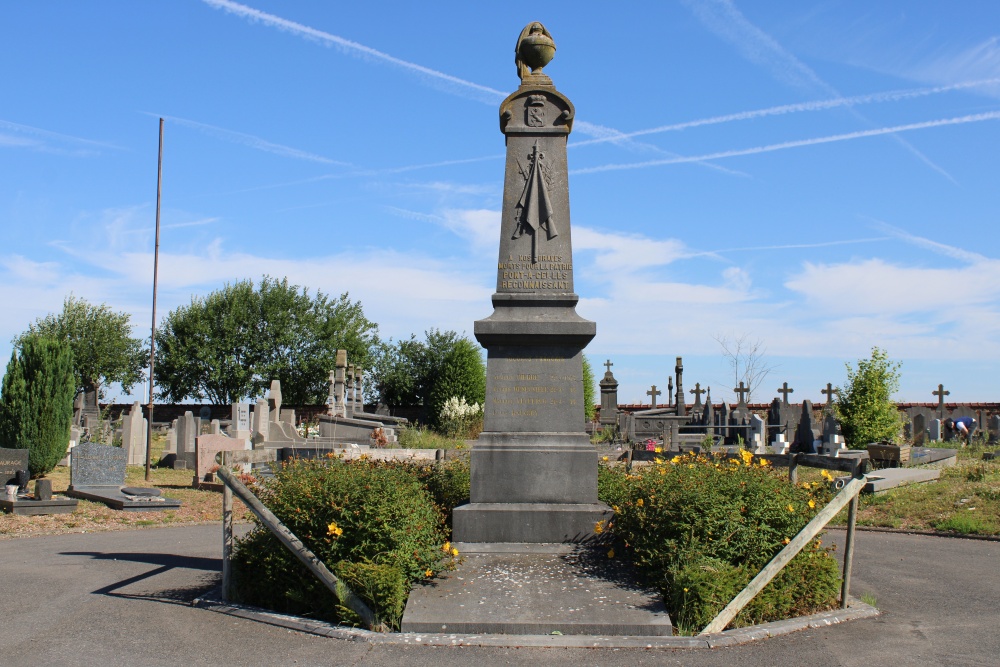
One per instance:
(869, 599)
(422, 437)
(967, 524)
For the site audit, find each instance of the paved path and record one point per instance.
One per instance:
(121, 598)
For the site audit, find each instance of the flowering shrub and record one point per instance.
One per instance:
(374, 524)
(459, 419)
(701, 528)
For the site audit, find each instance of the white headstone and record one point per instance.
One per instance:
(935, 430)
(779, 446)
(261, 421)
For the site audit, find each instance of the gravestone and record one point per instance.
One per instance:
(274, 401)
(261, 421)
(339, 388)
(214, 428)
(205, 413)
(758, 434)
(186, 433)
(351, 403)
(533, 468)
(806, 434)
(609, 396)
(134, 433)
(934, 431)
(90, 411)
(919, 434)
(14, 462)
(697, 391)
(994, 428)
(172, 438)
(207, 447)
(679, 373)
(97, 472)
(653, 393)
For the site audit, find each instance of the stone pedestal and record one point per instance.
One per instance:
(534, 471)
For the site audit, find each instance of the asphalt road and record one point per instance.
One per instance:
(122, 598)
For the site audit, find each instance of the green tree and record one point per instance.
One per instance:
(588, 390)
(36, 401)
(104, 351)
(461, 374)
(429, 372)
(231, 344)
(864, 405)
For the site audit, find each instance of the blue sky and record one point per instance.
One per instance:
(818, 176)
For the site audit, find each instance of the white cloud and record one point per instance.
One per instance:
(876, 287)
(626, 252)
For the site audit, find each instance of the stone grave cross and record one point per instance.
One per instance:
(785, 390)
(670, 391)
(608, 365)
(653, 393)
(742, 390)
(941, 393)
(829, 391)
(697, 391)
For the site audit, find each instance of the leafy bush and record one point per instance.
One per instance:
(709, 525)
(589, 410)
(459, 419)
(374, 523)
(37, 401)
(864, 407)
(448, 483)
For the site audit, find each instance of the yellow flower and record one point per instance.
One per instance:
(599, 527)
(615, 508)
(428, 573)
(658, 450)
(640, 502)
(746, 456)
(812, 503)
(675, 460)
(454, 551)
(826, 475)
(785, 541)
(334, 529)
(611, 552)
(447, 547)
(604, 458)
(685, 590)
(791, 508)
(764, 463)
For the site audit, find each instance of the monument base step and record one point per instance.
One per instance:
(534, 589)
(528, 522)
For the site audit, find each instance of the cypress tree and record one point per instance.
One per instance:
(37, 408)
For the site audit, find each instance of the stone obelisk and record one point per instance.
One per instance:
(534, 471)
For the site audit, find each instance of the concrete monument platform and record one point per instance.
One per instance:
(537, 589)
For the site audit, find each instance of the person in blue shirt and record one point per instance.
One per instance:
(964, 426)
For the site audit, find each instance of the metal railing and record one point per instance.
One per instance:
(232, 485)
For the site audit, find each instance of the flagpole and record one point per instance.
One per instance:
(152, 334)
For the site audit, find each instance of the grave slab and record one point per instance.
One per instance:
(890, 478)
(98, 473)
(26, 505)
(935, 456)
(537, 589)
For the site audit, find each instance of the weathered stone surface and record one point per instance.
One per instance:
(97, 465)
(534, 456)
(11, 461)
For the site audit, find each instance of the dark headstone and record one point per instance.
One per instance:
(205, 413)
(43, 489)
(11, 462)
(97, 465)
(806, 434)
(919, 432)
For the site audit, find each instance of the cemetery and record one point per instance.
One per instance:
(686, 518)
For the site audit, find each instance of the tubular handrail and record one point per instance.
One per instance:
(232, 485)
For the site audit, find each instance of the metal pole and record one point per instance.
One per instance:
(852, 521)
(152, 334)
